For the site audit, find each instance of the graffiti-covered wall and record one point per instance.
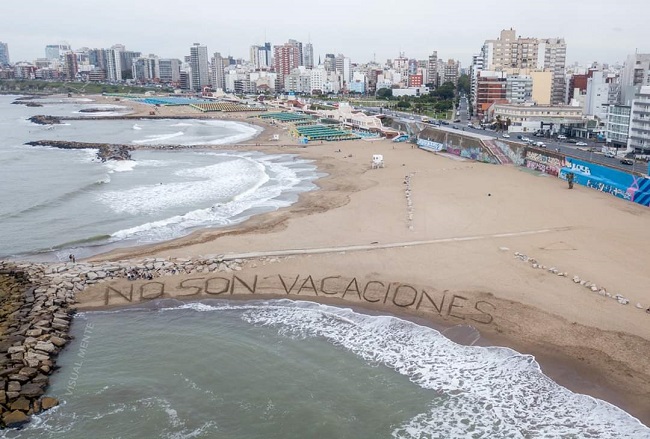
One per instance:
(612, 181)
(546, 162)
(453, 143)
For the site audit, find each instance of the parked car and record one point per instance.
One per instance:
(561, 137)
(525, 139)
(456, 120)
(582, 144)
(540, 144)
(627, 161)
(506, 135)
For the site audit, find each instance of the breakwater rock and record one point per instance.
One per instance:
(36, 309)
(105, 151)
(27, 103)
(45, 120)
(35, 321)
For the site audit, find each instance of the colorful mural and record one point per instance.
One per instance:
(612, 181)
(430, 145)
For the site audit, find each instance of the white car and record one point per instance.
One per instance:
(581, 144)
(506, 135)
(540, 144)
(561, 137)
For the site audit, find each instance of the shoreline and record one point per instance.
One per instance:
(572, 333)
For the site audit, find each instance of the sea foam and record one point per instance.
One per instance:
(481, 392)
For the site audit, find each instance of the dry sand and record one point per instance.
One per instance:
(574, 332)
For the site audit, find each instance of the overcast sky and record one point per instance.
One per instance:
(595, 30)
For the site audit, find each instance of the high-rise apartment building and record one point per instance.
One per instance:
(286, 58)
(451, 72)
(52, 52)
(199, 66)
(639, 138)
(635, 75)
(218, 73)
(170, 70)
(330, 62)
(308, 56)
(343, 68)
(260, 56)
(146, 69)
(126, 61)
(97, 58)
(510, 52)
(113, 64)
(298, 44)
(70, 66)
(4, 54)
(432, 69)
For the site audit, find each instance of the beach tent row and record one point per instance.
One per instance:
(287, 117)
(224, 107)
(321, 132)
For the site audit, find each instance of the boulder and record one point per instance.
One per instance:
(13, 386)
(21, 404)
(45, 346)
(32, 390)
(49, 402)
(57, 341)
(14, 419)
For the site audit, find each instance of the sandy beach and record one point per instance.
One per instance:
(458, 236)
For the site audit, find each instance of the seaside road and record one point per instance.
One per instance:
(352, 248)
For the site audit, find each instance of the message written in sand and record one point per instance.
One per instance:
(376, 292)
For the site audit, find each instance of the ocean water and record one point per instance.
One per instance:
(57, 202)
(285, 369)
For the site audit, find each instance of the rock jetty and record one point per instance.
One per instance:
(105, 151)
(27, 103)
(36, 309)
(35, 321)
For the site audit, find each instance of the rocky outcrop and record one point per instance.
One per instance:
(27, 103)
(45, 120)
(105, 151)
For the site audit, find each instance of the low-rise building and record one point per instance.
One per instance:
(618, 125)
(531, 118)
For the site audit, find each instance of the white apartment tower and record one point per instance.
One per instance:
(218, 73)
(639, 138)
(199, 66)
(113, 64)
(635, 75)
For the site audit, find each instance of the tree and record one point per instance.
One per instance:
(385, 93)
(403, 104)
(464, 86)
(445, 91)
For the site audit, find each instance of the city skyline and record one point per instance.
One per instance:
(361, 32)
